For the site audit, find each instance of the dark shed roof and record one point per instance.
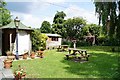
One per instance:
(11, 25)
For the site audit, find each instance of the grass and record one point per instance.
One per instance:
(102, 64)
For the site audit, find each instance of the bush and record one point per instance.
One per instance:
(101, 40)
(67, 43)
(104, 41)
(38, 40)
(78, 43)
(82, 43)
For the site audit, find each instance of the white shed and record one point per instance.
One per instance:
(8, 38)
(54, 40)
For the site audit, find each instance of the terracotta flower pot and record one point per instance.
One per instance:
(7, 64)
(32, 55)
(18, 77)
(25, 56)
(12, 57)
(40, 53)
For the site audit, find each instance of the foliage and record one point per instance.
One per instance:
(5, 17)
(59, 17)
(45, 27)
(38, 40)
(67, 42)
(20, 71)
(82, 43)
(57, 26)
(91, 28)
(9, 53)
(101, 40)
(109, 14)
(105, 41)
(73, 27)
(43, 38)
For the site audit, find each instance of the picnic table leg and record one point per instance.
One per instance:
(79, 58)
(86, 58)
(67, 57)
(86, 55)
(69, 51)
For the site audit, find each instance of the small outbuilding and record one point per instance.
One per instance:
(8, 38)
(54, 40)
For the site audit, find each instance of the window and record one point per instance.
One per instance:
(54, 39)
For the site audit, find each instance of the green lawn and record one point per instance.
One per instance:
(102, 64)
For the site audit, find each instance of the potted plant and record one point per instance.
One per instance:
(10, 55)
(32, 55)
(41, 48)
(19, 73)
(7, 63)
(25, 55)
(40, 52)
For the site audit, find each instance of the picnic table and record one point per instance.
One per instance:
(77, 53)
(62, 48)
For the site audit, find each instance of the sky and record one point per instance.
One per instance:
(33, 12)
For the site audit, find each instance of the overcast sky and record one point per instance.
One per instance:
(34, 12)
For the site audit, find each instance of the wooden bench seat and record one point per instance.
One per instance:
(68, 55)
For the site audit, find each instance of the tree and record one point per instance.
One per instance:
(5, 17)
(92, 28)
(73, 27)
(45, 27)
(57, 26)
(107, 12)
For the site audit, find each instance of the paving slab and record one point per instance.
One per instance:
(7, 73)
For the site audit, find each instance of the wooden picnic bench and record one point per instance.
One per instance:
(77, 53)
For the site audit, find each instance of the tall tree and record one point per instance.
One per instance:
(45, 27)
(5, 16)
(73, 27)
(57, 26)
(109, 14)
(91, 28)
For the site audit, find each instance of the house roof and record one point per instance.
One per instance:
(53, 35)
(11, 25)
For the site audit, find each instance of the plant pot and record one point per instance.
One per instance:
(18, 77)
(7, 64)
(11, 57)
(32, 56)
(40, 53)
(24, 56)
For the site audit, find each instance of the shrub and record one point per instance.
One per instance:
(38, 40)
(67, 43)
(82, 43)
(101, 40)
(105, 41)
